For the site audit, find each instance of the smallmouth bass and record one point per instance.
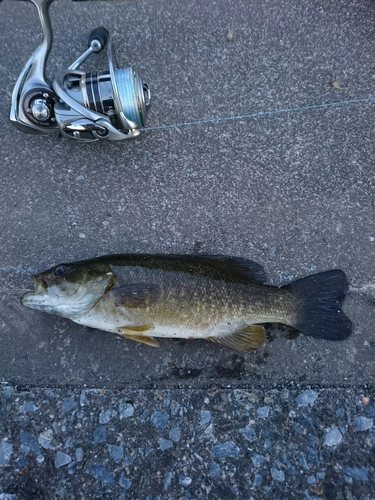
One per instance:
(214, 297)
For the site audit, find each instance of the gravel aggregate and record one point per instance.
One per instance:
(187, 443)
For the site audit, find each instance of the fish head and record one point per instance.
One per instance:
(70, 290)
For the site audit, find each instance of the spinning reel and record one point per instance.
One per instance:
(111, 104)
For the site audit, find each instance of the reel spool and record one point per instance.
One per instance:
(110, 104)
(101, 103)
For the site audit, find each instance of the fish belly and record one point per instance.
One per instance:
(146, 325)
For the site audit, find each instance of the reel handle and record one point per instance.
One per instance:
(98, 38)
(97, 41)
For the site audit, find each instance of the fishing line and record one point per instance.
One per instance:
(244, 117)
(364, 290)
(259, 114)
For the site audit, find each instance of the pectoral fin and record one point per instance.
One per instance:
(248, 338)
(133, 332)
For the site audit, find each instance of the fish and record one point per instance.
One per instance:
(219, 298)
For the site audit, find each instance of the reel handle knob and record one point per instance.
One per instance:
(98, 39)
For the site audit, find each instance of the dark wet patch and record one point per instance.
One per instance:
(181, 342)
(197, 247)
(292, 333)
(184, 372)
(270, 332)
(261, 358)
(289, 332)
(25, 486)
(234, 367)
(223, 492)
(369, 299)
(273, 330)
(332, 485)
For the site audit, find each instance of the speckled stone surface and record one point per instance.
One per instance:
(282, 442)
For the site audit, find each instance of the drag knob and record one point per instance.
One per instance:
(40, 110)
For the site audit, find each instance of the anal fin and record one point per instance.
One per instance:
(248, 338)
(143, 339)
(135, 332)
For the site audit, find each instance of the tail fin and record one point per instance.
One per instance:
(321, 297)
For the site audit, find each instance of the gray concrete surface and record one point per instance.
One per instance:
(294, 191)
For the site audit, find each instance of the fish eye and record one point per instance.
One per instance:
(61, 270)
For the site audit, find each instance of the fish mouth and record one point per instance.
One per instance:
(34, 298)
(40, 283)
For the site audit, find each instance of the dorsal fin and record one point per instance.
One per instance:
(217, 267)
(237, 268)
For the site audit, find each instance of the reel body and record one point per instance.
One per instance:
(110, 104)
